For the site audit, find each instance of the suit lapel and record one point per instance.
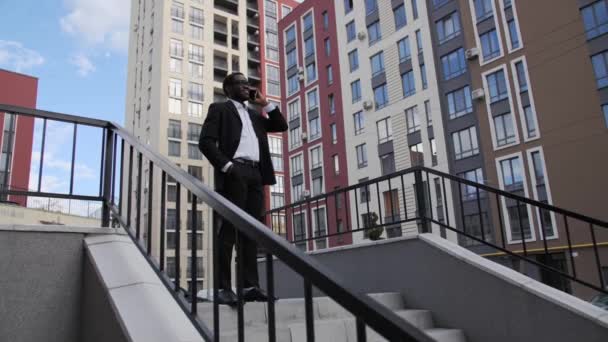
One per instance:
(234, 111)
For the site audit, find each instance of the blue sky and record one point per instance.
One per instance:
(78, 51)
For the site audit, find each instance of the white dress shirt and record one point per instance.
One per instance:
(248, 145)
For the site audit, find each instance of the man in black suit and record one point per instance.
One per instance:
(234, 140)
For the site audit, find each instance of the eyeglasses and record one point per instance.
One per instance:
(240, 83)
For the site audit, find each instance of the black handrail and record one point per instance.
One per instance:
(368, 311)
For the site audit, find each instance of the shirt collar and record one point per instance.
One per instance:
(239, 105)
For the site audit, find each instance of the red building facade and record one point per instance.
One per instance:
(314, 151)
(16, 133)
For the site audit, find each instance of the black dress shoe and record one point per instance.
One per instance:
(254, 294)
(226, 297)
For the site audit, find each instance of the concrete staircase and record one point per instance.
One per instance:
(332, 322)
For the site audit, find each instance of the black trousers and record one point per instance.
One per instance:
(243, 187)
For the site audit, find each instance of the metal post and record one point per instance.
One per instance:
(107, 178)
(421, 202)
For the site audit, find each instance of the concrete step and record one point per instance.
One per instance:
(446, 335)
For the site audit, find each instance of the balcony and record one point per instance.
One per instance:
(230, 6)
(252, 7)
(253, 22)
(253, 39)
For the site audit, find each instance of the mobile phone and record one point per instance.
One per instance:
(253, 94)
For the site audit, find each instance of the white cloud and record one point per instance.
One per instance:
(83, 64)
(98, 22)
(14, 56)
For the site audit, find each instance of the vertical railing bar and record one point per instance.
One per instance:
(130, 187)
(428, 190)
(326, 200)
(103, 152)
(379, 204)
(106, 175)
(42, 154)
(193, 262)
(114, 161)
(347, 208)
(310, 323)
(445, 202)
(150, 211)
(336, 211)
(120, 187)
(483, 233)
(464, 228)
(597, 256)
(216, 275)
(521, 228)
(178, 247)
(163, 189)
(501, 224)
(361, 333)
(73, 159)
(404, 199)
(542, 230)
(357, 210)
(139, 199)
(390, 199)
(570, 251)
(272, 334)
(240, 270)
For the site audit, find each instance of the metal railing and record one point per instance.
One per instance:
(125, 190)
(487, 220)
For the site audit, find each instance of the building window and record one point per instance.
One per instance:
(385, 131)
(175, 87)
(513, 34)
(530, 122)
(196, 70)
(505, 132)
(295, 136)
(605, 111)
(336, 162)
(600, 66)
(377, 63)
(196, 16)
(412, 119)
(276, 152)
(296, 165)
(311, 72)
(361, 156)
(290, 35)
(469, 192)
(194, 153)
(174, 130)
(332, 104)
(171, 192)
(307, 22)
(273, 80)
(309, 47)
(195, 53)
(195, 91)
(490, 48)
(512, 172)
(334, 133)
(176, 48)
(314, 127)
(355, 89)
(415, 9)
(293, 110)
(175, 65)
(465, 143)
(459, 102)
(521, 76)
(196, 32)
(175, 106)
(292, 58)
(425, 83)
(417, 154)
(483, 9)
(374, 32)
(381, 96)
(353, 60)
(325, 20)
(387, 163)
(299, 230)
(174, 148)
(427, 111)
(285, 11)
(453, 64)
(498, 86)
(194, 131)
(408, 83)
(419, 41)
(177, 26)
(348, 6)
(364, 191)
(195, 109)
(359, 121)
(404, 50)
(351, 31)
(317, 185)
(330, 74)
(277, 192)
(327, 47)
(400, 17)
(541, 193)
(439, 3)
(371, 6)
(595, 19)
(433, 152)
(517, 212)
(312, 100)
(293, 84)
(448, 27)
(319, 227)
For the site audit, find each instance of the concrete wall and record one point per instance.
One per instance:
(40, 286)
(488, 301)
(13, 214)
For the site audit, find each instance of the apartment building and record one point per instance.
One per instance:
(523, 100)
(16, 134)
(315, 145)
(179, 53)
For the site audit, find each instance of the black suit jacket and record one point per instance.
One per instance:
(221, 134)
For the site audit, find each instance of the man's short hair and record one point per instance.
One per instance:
(229, 80)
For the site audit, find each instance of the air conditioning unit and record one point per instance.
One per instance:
(256, 49)
(304, 136)
(367, 105)
(300, 77)
(305, 193)
(300, 70)
(472, 53)
(255, 15)
(362, 35)
(478, 94)
(256, 32)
